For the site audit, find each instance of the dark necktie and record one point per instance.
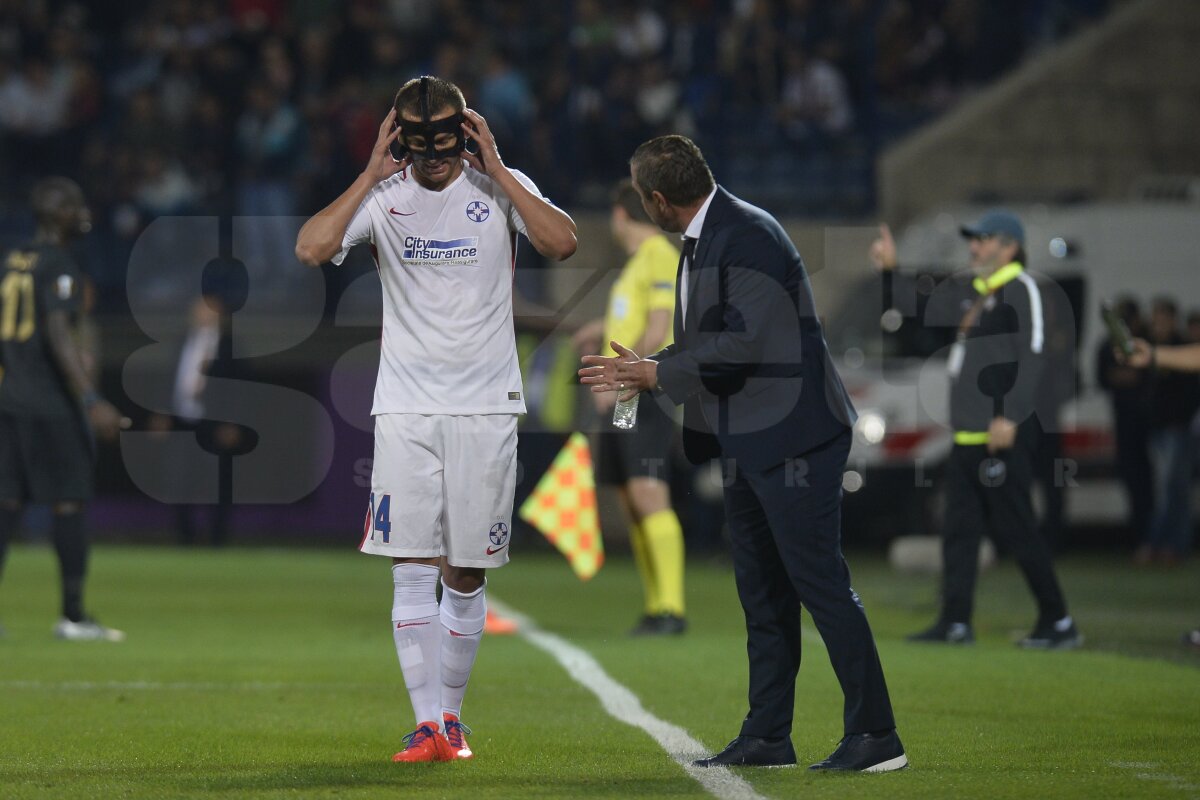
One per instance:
(685, 264)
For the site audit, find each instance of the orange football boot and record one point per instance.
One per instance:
(456, 734)
(424, 744)
(496, 625)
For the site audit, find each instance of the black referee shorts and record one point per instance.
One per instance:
(45, 459)
(644, 452)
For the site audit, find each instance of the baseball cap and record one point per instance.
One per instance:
(994, 222)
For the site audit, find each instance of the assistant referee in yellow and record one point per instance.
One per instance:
(640, 309)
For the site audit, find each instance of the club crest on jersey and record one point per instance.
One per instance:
(477, 211)
(498, 534)
(438, 252)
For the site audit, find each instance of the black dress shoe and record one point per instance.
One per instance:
(864, 752)
(752, 751)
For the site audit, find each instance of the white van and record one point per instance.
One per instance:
(897, 376)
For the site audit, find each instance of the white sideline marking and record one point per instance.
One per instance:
(624, 705)
(1149, 771)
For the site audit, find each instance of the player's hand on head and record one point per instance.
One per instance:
(382, 166)
(486, 157)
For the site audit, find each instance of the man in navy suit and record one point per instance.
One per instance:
(752, 370)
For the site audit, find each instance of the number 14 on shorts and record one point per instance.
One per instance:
(379, 517)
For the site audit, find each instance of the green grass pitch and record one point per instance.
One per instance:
(265, 674)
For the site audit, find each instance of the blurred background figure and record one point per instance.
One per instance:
(638, 462)
(1174, 402)
(50, 410)
(1177, 360)
(203, 355)
(1129, 391)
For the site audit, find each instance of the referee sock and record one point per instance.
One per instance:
(463, 617)
(10, 518)
(70, 542)
(418, 636)
(645, 568)
(664, 544)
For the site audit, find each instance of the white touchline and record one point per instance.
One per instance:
(624, 705)
(1151, 772)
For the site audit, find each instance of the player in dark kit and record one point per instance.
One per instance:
(48, 404)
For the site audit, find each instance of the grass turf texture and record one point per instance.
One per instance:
(263, 674)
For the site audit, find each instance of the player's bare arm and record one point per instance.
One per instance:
(550, 230)
(105, 418)
(321, 237)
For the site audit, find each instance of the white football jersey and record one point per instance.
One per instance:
(446, 262)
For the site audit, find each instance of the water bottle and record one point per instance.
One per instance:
(625, 413)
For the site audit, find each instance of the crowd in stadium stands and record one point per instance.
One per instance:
(265, 107)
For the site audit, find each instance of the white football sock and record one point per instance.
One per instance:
(463, 616)
(418, 637)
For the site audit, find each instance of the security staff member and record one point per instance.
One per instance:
(995, 367)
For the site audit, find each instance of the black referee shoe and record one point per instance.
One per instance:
(660, 625)
(865, 752)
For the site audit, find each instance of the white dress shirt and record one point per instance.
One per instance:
(693, 232)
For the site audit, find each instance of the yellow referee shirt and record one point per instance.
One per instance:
(647, 283)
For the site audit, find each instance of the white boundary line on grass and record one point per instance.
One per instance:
(1149, 771)
(623, 705)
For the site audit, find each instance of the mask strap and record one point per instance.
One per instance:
(425, 99)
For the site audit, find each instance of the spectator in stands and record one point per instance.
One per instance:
(814, 105)
(506, 101)
(269, 145)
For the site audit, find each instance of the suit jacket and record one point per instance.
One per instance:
(750, 364)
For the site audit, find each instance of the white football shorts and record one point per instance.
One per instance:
(443, 485)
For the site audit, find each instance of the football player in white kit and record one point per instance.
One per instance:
(449, 389)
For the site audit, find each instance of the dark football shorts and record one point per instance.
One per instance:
(644, 452)
(45, 459)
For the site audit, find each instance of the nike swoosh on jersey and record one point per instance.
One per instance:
(491, 551)
(393, 210)
(409, 624)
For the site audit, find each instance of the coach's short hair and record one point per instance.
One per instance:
(442, 94)
(625, 196)
(673, 166)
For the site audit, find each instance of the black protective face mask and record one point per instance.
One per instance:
(428, 131)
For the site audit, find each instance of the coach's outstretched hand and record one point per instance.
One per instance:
(382, 166)
(487, 157)
(106, 420)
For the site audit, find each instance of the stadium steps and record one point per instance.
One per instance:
(1085, 120)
